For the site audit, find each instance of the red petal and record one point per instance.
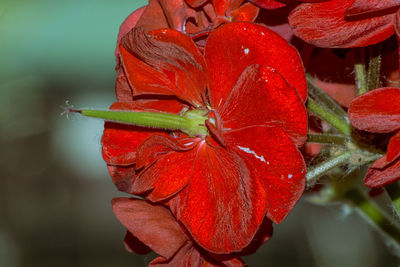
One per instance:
(120, 141)
(278, 163)
(224, 204)
(152, 225)
(122, 177)
(397, 25)
(177, 13)
(381, 177)
(134, 245)
(377, 111)
(268, 4)
(263, 97)
(324, 25)
(153, 17)
(393, 150)
(123, 90)
(195, 3)
(247, 12)
(235, 46)
(128, 25)
(168, 175)
(360, 7)
(164, 62)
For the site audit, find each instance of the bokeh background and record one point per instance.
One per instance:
(55, 190)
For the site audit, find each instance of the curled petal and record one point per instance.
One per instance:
(122, 177)
(168, 175)
(324, 25)
(224, 203)
(263, 97)
(277, 162)
(268, 4)
(164, 62)
(152, 225)
(377, 111)
(235, 46)
(377, 177)
(134, 245)
(372, 7)
(393, 151)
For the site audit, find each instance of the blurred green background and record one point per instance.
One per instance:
(55, 190)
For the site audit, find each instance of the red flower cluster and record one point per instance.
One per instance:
(378, 111)
(209, 197)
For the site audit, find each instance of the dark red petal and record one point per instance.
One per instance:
(278, 164)
(235, 46)
(123, 90)
(177, 13)
(195, 3)
(223, 204)
(122, 177)
(397, 25)
(247, 12)
(263, 97)
(152, 225)
(168, 175)
(134, 245)
(324, 25)
(377, 111)
(393, 151)
(381, 177)
(268, 4)
(153, 17)
(120, 141)
(164, 62)
(360, 7)
(128, 25)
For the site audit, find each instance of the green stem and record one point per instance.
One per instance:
(360, 72)
(191, 123)
(324, 99)
(393, 191)
(317, 171)
(373, 214)
(329, 117)
(330, 139)
(374, 67)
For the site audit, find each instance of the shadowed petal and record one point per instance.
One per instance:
(263, 97)
(152, 225)
(377, 177)
(377, 111)
(247, 12)
(134, 245)
(235, 46)
(268, 4)
(277, 162)
(393, 150)
(224, 204)
(324, 25)
(372, 6)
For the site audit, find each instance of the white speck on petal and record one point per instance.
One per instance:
(246, 51)
(248, 150)
(267, 162)
(262, 34)
(290, 176)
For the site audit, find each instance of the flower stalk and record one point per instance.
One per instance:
(393, 191)
(360, 72)
(374, 67)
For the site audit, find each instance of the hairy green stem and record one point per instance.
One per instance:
(324, 99)
(192, 122)
(393, 191)
(360, 71)
(373, 215)
(330, 139)
(317, 171)
(329, 117)
(374, 67)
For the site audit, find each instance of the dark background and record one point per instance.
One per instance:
(55, 190)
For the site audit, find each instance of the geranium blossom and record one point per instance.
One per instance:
(378, 111)
(250, 86)
(152, 227)
(346, 23)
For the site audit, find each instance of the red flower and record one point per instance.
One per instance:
(378, 111)
(250, 85)
(154, 228)
(346, 23)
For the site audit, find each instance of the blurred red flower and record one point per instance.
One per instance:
(346, 23)
(378, 111)
(153, 228)
(250, 84)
